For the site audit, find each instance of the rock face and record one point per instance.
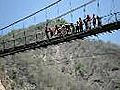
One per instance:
(5, 82)
(75, 65)
(1, 86)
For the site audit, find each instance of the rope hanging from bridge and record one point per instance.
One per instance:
(84, 10)
(112, 6)
(22, 19)
(98, 7)
(58, 11)
(34, 20)
(71, 15)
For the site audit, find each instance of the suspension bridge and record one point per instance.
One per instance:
(11, 47)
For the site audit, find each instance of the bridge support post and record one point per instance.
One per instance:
(24, 37)
(46, 31)
(36, 36)
(3, 44)
(13, 40)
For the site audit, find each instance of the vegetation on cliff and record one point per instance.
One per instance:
(76, 65)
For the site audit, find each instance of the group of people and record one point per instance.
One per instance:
(80, 26)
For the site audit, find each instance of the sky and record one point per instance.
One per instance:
(12, 10)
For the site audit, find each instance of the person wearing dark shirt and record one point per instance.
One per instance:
(81, 25)
(46, 32)
(67, 28)
(94, 21)
(51, 32)
(77, 26)
(99, 21)
(85, 23)
(88, 18)
(72, 28)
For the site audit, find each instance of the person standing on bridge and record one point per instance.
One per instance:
(63, 30)
(59, 31)
(77, 26)
(56, 29)
(72, 28)
(85, 23)
(99, 21)
(88, 18)
(81, 25)
(94, 21)
(46, 31)
(51, 32)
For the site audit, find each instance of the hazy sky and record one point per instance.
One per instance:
(12, 10)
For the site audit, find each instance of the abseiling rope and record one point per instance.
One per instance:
(22, 19)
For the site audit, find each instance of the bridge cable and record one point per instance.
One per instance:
(71, 15)
(74, 9)
(110, 14)
(112, 6)
(22, 19)
(98, 6)
(13, 36)
(112, 10)
(84, 10)
(34, 19)
(113, 2)
(35, 31)
(58, 11)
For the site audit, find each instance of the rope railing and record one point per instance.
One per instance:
(112, 17)
(8, 50)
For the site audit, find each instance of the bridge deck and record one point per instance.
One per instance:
(105, 28)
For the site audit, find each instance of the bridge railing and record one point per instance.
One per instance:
(33, 35)
(110, 18)
(26, 38)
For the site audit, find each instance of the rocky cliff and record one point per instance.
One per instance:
(75, 65)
